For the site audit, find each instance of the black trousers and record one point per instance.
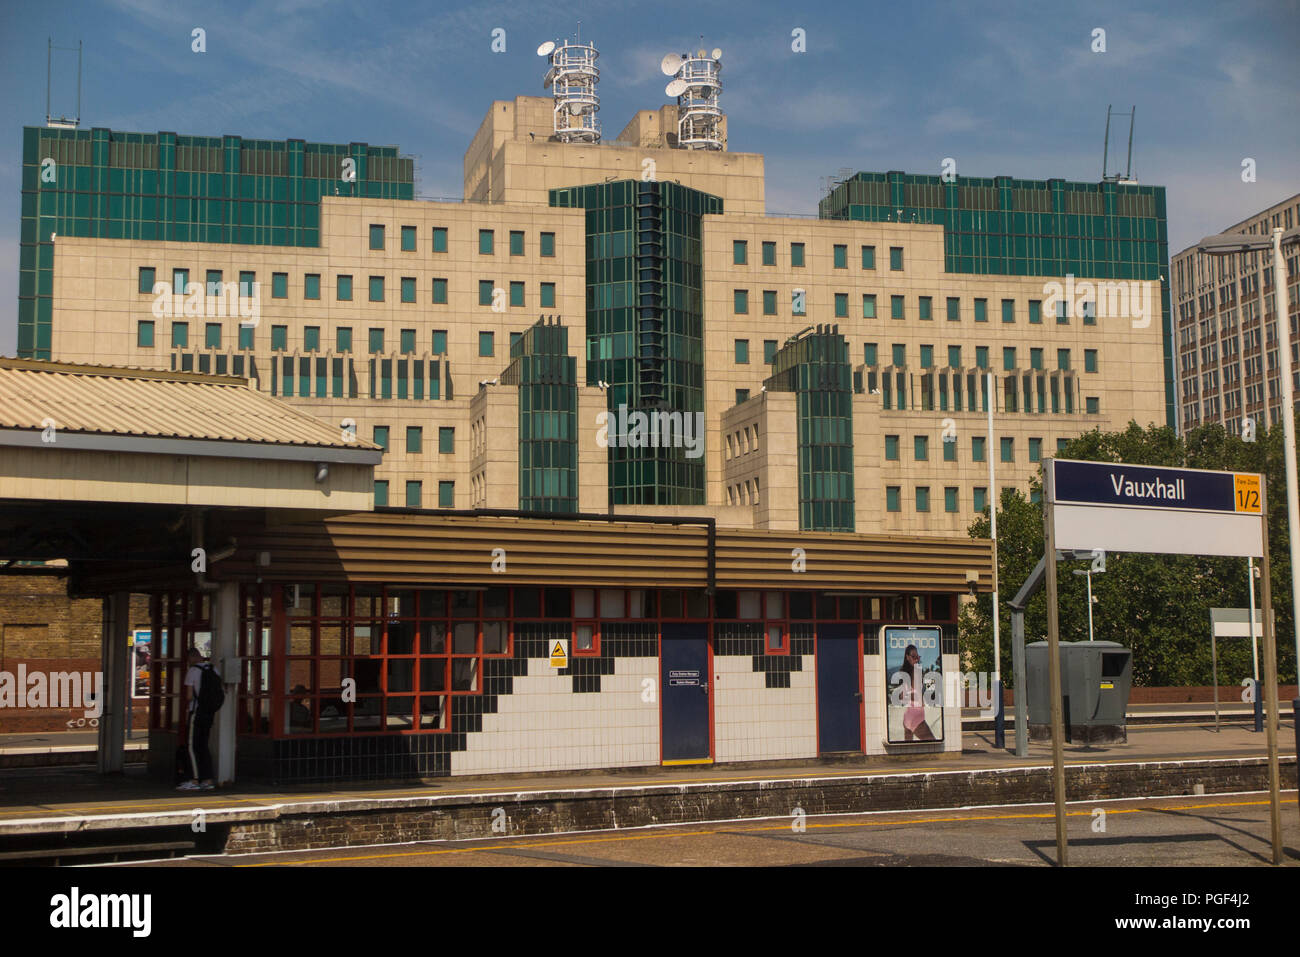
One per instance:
(200, 756)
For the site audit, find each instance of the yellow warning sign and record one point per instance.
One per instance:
(559, 653)
(1246, 487)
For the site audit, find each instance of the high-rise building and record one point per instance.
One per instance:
(1226, 326)
(618, 325)
(161, 187)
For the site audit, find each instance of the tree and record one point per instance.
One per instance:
(1157, 605)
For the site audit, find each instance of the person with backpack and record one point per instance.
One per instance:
(206, 697)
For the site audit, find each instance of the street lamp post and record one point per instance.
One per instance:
(1227, 244)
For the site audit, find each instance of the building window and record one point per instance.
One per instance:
(739, 252)
(376, 288)
(376, 341)
(1035, 311)
(950, 449)
(1090, 313)
(381, 437)
(796, 254)
(1089, 360)
(485, 287)
(740, 301)
(1008, 310)
(247, 280)
(144, 334)
(311, 339)
(408, 289)
(896, 258)
(439, 342)
(981, 498)
(548, 295)
(769, 302)
(923, 306)
(446, 494)
(954, 309)
(950, 499)
(439, 239)
(868, 305)
(344, 288)
(1092, 405)
(486, 343)
(147, 274)
(1062, 313)
(923, 498)
(414, 494)
(408, 239)
(742, 395)
(516, 293)
(1036, 358)
(892, 498)
(485, 242)
(406, 340)
(927, 357)
(1035, 450)
(1008, 358)
(769, 351)
(311, 286)
(214, 282)
(547, 246)
(921, 448)
(841, 256)
(514, 340)
(954, 357)
(1063, 359)
(1061, 446)
(981, 357)
(446, 440)
(896, 307)
(1008, 449)
(742, 352)
(891, 448)
(440, 292)
(868, 257)
(842, 305)
(516, 242)
(343, 339)
(279, 285)
(180, 282)
(279, 338)
(900, 354)
(977, 448)
(376, 237)
(798, 302)
(869, 353)
(381, 493)
(769, 254)
(414, 439)
(981, 310)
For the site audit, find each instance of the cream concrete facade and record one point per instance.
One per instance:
(1115, 365)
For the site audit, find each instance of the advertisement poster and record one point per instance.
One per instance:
(913, 684)
(141, 658)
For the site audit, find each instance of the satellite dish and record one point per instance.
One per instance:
(717, 53)
(546, 48)
(700, 54)
(670, 63)
(675, 88)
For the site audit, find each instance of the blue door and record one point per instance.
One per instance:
(839, 692)
(684, 680)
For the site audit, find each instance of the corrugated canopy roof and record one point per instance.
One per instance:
(114, 400)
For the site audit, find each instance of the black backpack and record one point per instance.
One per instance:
(211, 693)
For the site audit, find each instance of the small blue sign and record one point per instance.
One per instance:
(1145, 486)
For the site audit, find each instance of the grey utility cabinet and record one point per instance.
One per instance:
(1096, 677)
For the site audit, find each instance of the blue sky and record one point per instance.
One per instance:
(1004, 88)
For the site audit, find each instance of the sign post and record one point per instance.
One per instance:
(1171, 511)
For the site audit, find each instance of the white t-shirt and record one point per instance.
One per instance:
(194, 681)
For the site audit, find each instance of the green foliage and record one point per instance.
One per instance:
(1157, 605)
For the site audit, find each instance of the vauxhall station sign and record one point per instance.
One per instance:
(1142, 508)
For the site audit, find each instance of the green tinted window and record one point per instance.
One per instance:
(247, 279)
(376, 340)
(981, 310)
(1008, 450)
(921, 448)
(892, 498)
(311, 286)
(414, 494)
(439, 342)
(376, 288)
(869, 353)
(311, 339)
(868, 305)
(446, 494)
(548, 244)
(981, 357)
(486, 344)
(769, 254)
(841, 256)
(927, 357)
(923, 498)
(954, 357)
(891, 448)
(408, 289)
(344, 288)
(923, 306)
(485, 287)
(408, 239)
(1008, 358)
(414, 439)
(381, 437)
(900, 354)
(516, 242)
(742, 351)
(406, 339)
(381, 493)
(739, 252)
(896, 307)
(548, 295)
(439, 239)
(446, 440)
(1035, 358)
(376, 237)
(1035, 450)
(981, 498)
(1035, 311)
(1008, 310)
(769, 302)
(279, 285)
(147, 274)
(1063, 359)
(516, 294)
(796, 254)
(343, 339)
(440, 292)
(954, 309)
(144, 334)
(977, 448)
(949, 449)
(180, 282)
(279, 338)
(485, 242)
(214, 282)
(245, 336)
(1089, 360)
(842, 304)
(769, 351)
(868, 257)
(895, 257)
(950, 499)
(1092, 404)
(740, 301)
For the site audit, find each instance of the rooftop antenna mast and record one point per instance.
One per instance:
(62, 122)
(1105, 150)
